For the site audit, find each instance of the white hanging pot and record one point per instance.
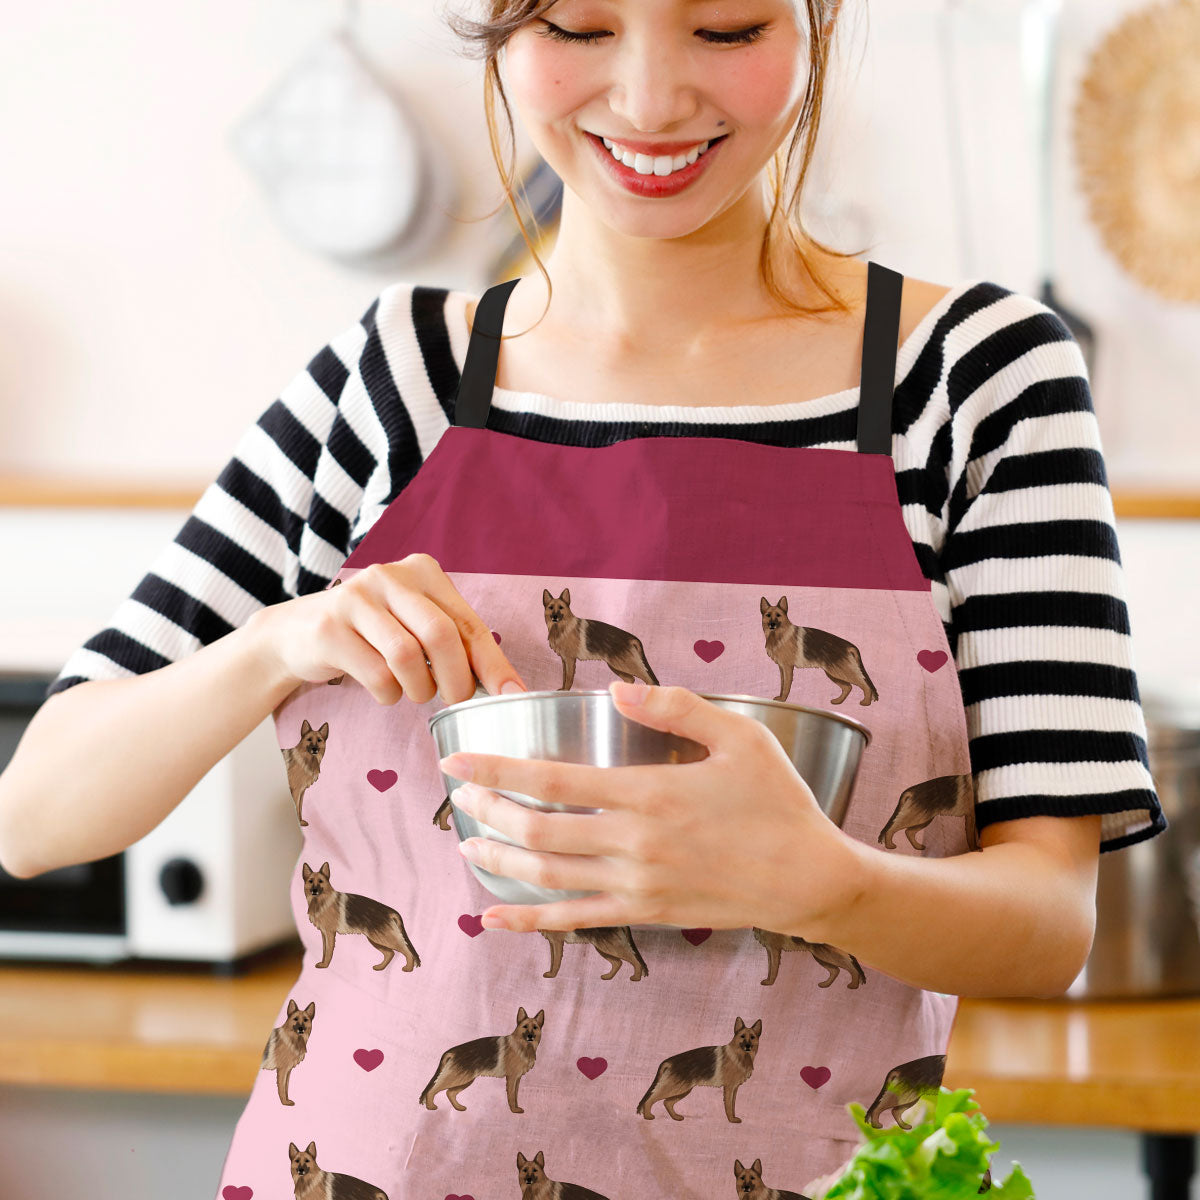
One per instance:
(345, 165)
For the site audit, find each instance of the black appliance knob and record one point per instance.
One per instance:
(181, 880)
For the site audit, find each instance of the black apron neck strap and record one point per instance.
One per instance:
(474, 396)
(881, 332)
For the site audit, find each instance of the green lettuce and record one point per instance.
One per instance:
(942, 1158)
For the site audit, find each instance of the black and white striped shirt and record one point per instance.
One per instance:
(999, 471)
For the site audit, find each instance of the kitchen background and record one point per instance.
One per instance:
(164, 271)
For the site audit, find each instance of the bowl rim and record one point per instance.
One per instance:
(561, 694)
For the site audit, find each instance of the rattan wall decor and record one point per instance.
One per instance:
(1136, 140)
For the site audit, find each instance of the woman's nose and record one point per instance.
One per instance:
(653, 86)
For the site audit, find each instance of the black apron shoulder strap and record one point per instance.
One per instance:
(881, 332)
(473, 398)
(881, 329)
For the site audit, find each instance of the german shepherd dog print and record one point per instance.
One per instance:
(751, 1187)
(334, 912)
(287, 1045)
(312, 1183)
(790, 646)
(904, 1086)
(441, 818)
(910, 1084)
(303, 762)
(726, 1067)
(573, 638)
(504, 1055)
(830, 957)
(335, 682)
(943, 796)
(535, 1185)
(612, 942)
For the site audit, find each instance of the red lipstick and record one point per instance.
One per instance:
(655, 186)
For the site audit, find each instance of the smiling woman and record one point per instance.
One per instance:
(723, 459)
(579, 69)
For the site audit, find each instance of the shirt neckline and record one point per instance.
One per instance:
(541, 404)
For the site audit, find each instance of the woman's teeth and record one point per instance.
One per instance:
(648, 164)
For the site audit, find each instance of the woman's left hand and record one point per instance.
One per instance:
(733, 841)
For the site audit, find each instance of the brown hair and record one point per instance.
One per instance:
(488, 37)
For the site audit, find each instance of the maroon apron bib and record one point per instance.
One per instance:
(420, 1056)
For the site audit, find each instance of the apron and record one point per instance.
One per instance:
(421, 1057)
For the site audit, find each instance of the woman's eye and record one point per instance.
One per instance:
(565, 35)
(737, 37)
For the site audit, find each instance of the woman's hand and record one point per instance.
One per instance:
(733, 841)
(380, 626)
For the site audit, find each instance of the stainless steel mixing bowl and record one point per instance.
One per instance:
(585, 727)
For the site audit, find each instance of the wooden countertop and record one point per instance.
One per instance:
(183, 1029)
(25, 489)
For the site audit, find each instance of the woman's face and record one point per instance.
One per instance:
(661, 77)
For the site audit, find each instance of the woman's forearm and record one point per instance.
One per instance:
(103, 763)
(1003, 921)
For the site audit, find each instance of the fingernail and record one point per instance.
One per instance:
(510, 685)
(628, 693)
(457, 768)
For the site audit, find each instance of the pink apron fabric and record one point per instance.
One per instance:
(702, 551)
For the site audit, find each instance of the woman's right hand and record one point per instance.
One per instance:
(380, 626)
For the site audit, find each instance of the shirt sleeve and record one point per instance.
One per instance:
(1037, 593)
(277, 522)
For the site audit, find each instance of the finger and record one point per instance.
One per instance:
(675, 709)
(553, 832)
(579, 784)
(359, 659)
(585, 912)
(565, 872)
(488, 662)
(396, 643)
(438, 635)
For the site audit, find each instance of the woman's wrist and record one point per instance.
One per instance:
(257, 634)
(847, 872)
